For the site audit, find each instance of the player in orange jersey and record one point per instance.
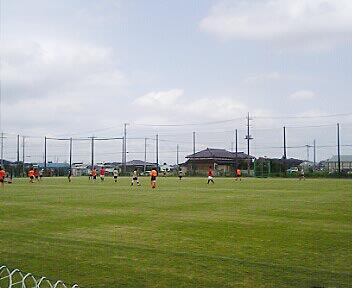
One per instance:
(238, 174)
(31, 175)
(94, 174)
(2, 176)
(153, 175)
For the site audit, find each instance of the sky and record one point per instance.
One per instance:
(83, 68)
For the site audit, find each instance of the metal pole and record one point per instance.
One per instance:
(23, 157)
(307, 152)
(145, 154)
(248, 137)
(157, 150)
(125, 147)
(314, 151)
(177, 151)
(45, 139)
(285, 152)
(236, 149)
(92, 152)
(338, 148)
(194, 143)
(70, 154)
(18, 149)
(2, 149)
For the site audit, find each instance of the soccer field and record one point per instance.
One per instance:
(253, 233)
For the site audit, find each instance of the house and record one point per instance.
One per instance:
(224, 162)
(139, 165)
(332, 165)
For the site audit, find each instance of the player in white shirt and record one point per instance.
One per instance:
(135, 177)
(116, 174)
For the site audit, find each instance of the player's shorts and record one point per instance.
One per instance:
(115, 177)
(210, 177)
(94, 177)
(135, 178)
(31, 177)
(102, 176)
(36, 177)
(153, 178)
(2, 180)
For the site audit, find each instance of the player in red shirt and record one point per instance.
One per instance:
(210, 175)
(102, 173)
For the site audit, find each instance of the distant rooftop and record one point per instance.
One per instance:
(211, 153)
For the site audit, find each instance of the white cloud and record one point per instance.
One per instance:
(302, 95)
(62, 81)
(305, 23)
(176, 107)
(162, 99)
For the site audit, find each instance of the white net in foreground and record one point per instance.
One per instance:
(16, 278)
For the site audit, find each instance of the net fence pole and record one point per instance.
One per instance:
(2, 149)
(338, 148)
(23, 155)
(70, 153)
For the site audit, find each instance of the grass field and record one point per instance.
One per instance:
(254, 233)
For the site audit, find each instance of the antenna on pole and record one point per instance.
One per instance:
(248, 138)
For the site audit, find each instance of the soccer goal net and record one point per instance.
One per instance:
(11, 278)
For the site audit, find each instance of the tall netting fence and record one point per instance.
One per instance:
(313, 142)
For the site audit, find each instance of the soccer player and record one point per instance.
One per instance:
(36, 174)
(180, 174)
(116, 174)
(210, 175)
(102, 174)
(135, 177)
(238, 174)
(31, 175)
(69, 174)
(94, 174)
(41, 174)
(153, 175)
(301, 175)
(2, 176)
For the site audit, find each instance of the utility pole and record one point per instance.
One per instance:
(194, 143)
(308, 146)
(236, 153)
(23, 157)
(338, 148)
(314, 153)
(177, 151)
(157, 150)
(71, 154)
(18, 149)
(124, 159)
(248, 138)
(2, 149)
(45, 139)
(92, 146)
(285, 152)
(145, 154)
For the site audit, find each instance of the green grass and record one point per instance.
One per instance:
(254, 233)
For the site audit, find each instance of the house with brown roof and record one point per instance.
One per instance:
(222, 161)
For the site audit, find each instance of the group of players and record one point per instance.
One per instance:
(135, 180)
(35, 175)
